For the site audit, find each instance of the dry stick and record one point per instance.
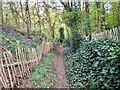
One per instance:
(105, 33)
(30, 59)
(113, 33)
(116, 33)
(12, 61)
(20, 61)
(38, 54)
(8, 70)
(18, 64)
(102, 34)
(2, 79)
(33, 57)
(110, 34)
(22, 58)
(5, 76)
(42, 49)
(26, 63)
(94, 36)
(2, 82)
(13, 73)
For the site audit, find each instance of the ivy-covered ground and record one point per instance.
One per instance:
(95, 64)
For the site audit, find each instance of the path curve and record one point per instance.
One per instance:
(58, 65)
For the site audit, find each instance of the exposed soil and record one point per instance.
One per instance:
(59, 69)
(58, 65)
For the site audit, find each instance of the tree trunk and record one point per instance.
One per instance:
(39, 18)
(98, 17)
(27, 18)
(88, 31)
(119, 13)
(1, 2)
(21, 6)
(103, 17)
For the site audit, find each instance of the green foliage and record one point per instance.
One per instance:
(71, 17)
(43, 75)
(94, 65)
(73, 20)
(10, 42)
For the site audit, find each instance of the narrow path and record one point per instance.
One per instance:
(58, 65)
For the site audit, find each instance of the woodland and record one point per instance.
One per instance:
(43, 39)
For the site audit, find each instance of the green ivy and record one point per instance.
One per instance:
(94, 65)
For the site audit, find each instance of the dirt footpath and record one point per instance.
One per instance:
(58, 65)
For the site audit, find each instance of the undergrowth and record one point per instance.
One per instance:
(96, 64)
(43, 75)
(10, 42)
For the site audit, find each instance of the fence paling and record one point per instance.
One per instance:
(18, 64)
(2, 78)
(13, 69)
(23, 58)
(30, 63)
(4, 73)
(112, 33)
(9, 73)
(27, 67)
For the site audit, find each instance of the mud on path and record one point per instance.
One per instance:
(58, 65)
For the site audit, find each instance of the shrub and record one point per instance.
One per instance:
(94, 65)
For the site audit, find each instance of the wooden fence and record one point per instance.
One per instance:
(112, 33)
(13, 68)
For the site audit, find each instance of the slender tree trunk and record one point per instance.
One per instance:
(98, 17)
(119, 13)
(21, 6)
(39, 18)
(27, 18)
(1, 2)
(6, 18)
(15, 18)
(88, 31)
(103, 17)
(34, 16)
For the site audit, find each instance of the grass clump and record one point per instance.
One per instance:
(43, 75)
